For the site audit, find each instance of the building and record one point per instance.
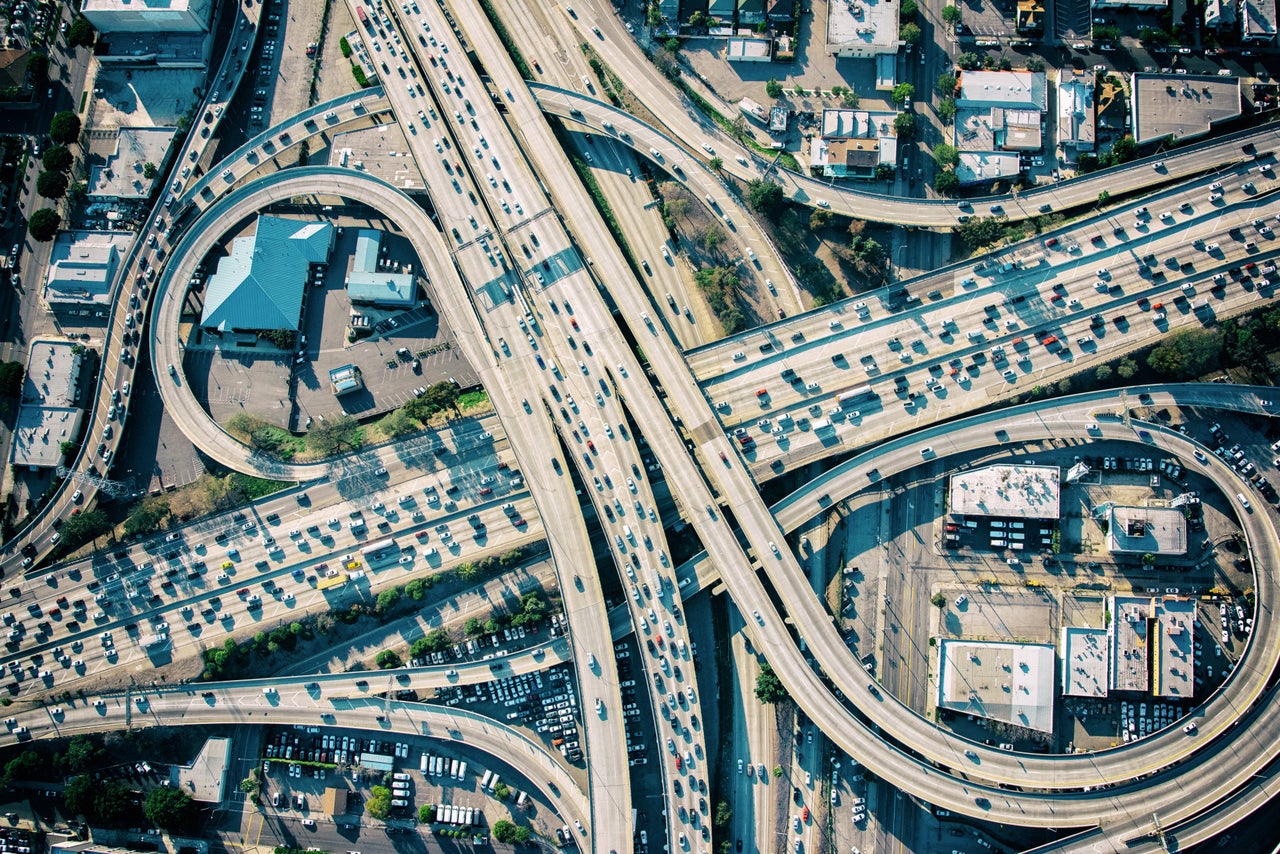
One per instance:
(368, 284)
(1005, 90)
(862, 28)
(1152, 645)
(778, 120)
(345, 379)
(886, 72)
(120, 175)
(1077, 117)
(1146, 530)
(334, 801)
(1182, 106)
(977, 167)
(1030, 18)
(722, 10)
(1085, 662)
(1122, 5)
(1220, 14)
(997, 112)
(205, 779)
(854, 143)
(50, 410)
(13, 67)
(750, 12)
(780, 11)
(1001, 680)
(1007, 491)
(260, 285)
(82, 268)
(1258, 21)
(749, 50)
(148, 16)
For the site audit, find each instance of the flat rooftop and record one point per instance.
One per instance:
(50, 409)
(119, 175)
(205, 778)
(1130, 637)
(862, 27)
(1182, 106)
(1084, 662)
(82, 267)
(1000, 680)
(1173, 649)
(380, 151)
(1143, 530)
(1013, 491)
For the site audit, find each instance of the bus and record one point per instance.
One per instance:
(380, 551)
(854, 395)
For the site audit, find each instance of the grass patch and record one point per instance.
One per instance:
(478, 399)
(258, 487)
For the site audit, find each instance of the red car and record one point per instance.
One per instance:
(422, 535)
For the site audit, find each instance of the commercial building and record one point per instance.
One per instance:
(120, 174)
(1002, 90)
(862, 28)
(345, 379)
(1030, 18)
(750, 12)
(998, 114)
(1146, 530)
(1007, 491)
(778, 119)
(82, 268)
(148, 16)
(1077, 116)
(749, 50)
(205, 779)
(1182, 106)
(1001, 680)
(260, 285)
(1220, 14)
(854, 143)
(1258, 21)
(976, 167)
(51, 408)
(1086, 662)
(1152, 645)
(334, 801)
(369, 283)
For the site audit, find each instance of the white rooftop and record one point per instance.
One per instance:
(1013, 491)
(83, 265)
(1001, 680)
(1010, 90)
(862, 27)
(50, 410)
(1085, 662)
(121, 175)
(1142, 530)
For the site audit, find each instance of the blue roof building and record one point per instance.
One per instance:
(260, 285)
(368, 285)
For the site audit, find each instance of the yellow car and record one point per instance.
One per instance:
(228, 565)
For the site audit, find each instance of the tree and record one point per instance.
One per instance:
(904, 125)
(1186, 354)
(64, 129)
(946, 155)
(84, 527)
(170, 809)
(769, 687)
(388, 598)
(765, 197)
(473, 627)
(504, 831)
(1126, 369)
(44, 224)
(819, 218)
(11, 374)
(773, 88)
(724, 814)
(51, 185)
(426, 813)
(146, 516)
(388, 659)
(901, 93)
(149, 170)
(716, 163)
(502, 791)
(27, 765)
(946, 182)
(947, 110)
(951, 14)
(946, 84)
(968, 61)
(379, 802)
(251, 786)
(909, 33)
(523, 835)
(333, 435)
(57, 158)
(938, 600)
(38, 66)
(1124, 149)
(1035, 65)
(81, 33)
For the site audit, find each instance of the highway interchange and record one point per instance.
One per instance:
(507, 227)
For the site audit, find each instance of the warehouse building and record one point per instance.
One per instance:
(1001, 680)
(148, 16)
(369, 283)
(1007, 491)
(50, 410)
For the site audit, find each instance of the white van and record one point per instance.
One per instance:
(1244, 502)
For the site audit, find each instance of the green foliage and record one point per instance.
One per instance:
(334, 435)
(170, 809)
(440, 397)
(44, 224)
(57, 158)
(1124, 149)
(724, 814)
(473, 627)
(946, 84)
(283, 339)
(773, 88)
(502, 791)
(11, 374)
(967, 61)
(358, 73)
(1186, 354)
(904, 124)
(27, 765)
(1103, 33)
(251, 785)
(64, 129)
(901, 93)
(946, 182)
(947, 110)
(83, 528)
(38, 66)
(908, 10)
(1035, 64)
(951, 14)
(720, 286)
(107, 802)
(388, 599)
(149, 170)
(52, 185)
(938, 600)
(1126, 369)
(262, 436)
(715, 164)
(982, 230)
(765, 197)
(503, 830)
(426, 813)
(946, 155)
(910, 33)
(146, 517)
(379, 802)
(769, 687)
(388, 659)
(345, 47)
(80, 33)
